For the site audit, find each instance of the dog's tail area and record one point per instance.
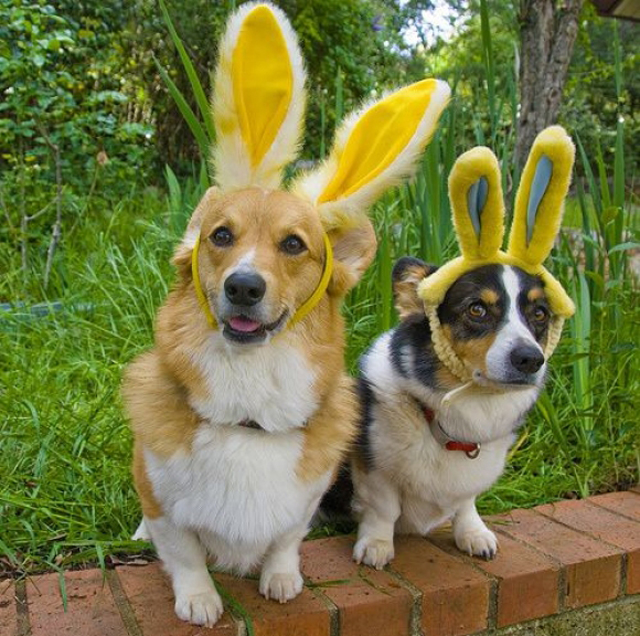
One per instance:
(335, 509)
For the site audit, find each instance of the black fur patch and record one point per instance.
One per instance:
(466, 291)
(367, 400)
(336, 502)
(528, 308)
(412, 353)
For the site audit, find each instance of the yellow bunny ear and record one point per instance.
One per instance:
(538, 213)
(374, 149)
(540, 199)
(477, 205)
(259, 99)
(475, 192)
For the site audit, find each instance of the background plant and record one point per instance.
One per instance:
(65, 491)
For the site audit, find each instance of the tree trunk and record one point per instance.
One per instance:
(548, 30)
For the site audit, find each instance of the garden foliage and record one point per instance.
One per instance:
(91, 80)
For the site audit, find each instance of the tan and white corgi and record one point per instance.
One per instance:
(242, 411)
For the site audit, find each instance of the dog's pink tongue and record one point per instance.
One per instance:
(240, 323)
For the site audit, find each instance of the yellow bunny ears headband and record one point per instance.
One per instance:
(258, 111)
(478, 213)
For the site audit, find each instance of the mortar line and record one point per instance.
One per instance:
(22, 608)
(415, 618)
(122, 603)
(332, 608)
(585, 533)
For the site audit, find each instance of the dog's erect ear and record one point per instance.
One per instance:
(477, 205)
(182, 254)
(375, 148)
(259, 99)
(407, 273)
(353, 251)
(540, 198)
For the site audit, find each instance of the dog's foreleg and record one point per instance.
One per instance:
(379, 503)
(185, 559)
(280, 578)
(470, 532)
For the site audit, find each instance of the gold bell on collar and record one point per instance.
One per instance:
(477, 204)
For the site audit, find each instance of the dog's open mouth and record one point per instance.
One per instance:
(245, 330)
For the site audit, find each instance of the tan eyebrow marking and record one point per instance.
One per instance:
(536, 293)
(489, 296)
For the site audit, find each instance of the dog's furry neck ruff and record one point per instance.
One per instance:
(448, 357)
(301, 312)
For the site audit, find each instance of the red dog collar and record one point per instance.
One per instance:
(471, 449)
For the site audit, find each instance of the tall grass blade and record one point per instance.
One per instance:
(196, 86)
(339, 97)
(187, 112)
(385, 262)
(488, 60)
(581, 331)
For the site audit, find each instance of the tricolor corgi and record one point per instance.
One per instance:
(425, 453)
(443, 394)
(242, 411)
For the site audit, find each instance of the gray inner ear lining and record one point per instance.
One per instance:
(541, 180)
(476, 200)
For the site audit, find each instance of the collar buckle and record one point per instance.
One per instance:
(474, 453)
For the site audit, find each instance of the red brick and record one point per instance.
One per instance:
(369, 601)
(592, 568)
(8, 611)
(305, 615)
(624, 503)
(455, 597)
(604, 525)
(527, 580)
(91, 609)
(151, 598)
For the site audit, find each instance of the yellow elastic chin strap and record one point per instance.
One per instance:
(301, 312)
(314, 299)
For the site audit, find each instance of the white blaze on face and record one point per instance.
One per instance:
(244, 265)
(513, 332)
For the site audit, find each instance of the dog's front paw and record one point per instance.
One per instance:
(281, 587)
(204, 608)
(479, 542)
(374, 552)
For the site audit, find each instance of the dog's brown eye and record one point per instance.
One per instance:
(222, 237)
(293, 245)
(477, 310)
(540, 314)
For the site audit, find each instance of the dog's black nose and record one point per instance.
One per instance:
(527, 358)
(244, 288)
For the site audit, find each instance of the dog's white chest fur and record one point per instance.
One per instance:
(237, 488)
(431, 480)
(272, 385)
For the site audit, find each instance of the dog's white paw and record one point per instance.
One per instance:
(280, 586)
(479, 542)
(374, 552)
(204, 608)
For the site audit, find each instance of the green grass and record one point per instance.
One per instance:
(66, 494)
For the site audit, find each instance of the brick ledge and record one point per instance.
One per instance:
(572, 562)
